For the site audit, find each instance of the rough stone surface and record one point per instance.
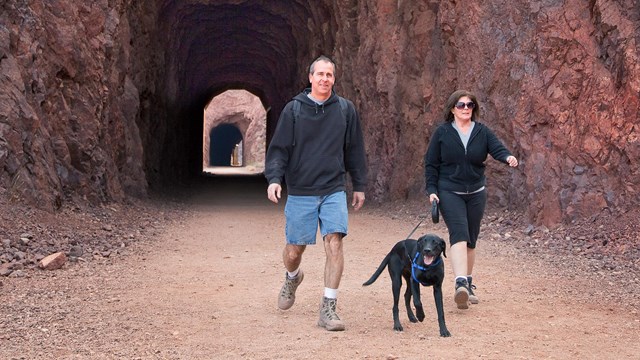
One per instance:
(104, 100)
(54, 261)
(68, 106)
(559, 83)
(75, 234)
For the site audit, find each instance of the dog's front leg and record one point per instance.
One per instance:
(415, 287)
(396, 284)
(437, 295)
(407, 303)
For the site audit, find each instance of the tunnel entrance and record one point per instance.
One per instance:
(198, 52)
(234, 134)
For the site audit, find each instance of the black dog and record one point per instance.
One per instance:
(419, 262)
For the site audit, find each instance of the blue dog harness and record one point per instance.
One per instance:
(415, 266)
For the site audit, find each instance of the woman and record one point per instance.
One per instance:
(454, 172)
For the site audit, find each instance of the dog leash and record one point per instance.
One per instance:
(414, 229)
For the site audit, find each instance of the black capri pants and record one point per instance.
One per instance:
(463, 214)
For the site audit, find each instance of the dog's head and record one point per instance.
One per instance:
(431, 246)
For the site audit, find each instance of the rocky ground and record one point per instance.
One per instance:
(608, 245)
(83, 233)
(152, 280)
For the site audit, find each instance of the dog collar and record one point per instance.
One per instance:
(415, 266)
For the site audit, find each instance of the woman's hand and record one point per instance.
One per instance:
(513, 162)
(433, 197)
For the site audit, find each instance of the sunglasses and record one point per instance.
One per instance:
(470, 105)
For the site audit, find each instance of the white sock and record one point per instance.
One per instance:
(293, 274)
(330, 293)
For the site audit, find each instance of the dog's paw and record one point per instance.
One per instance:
(445, 333)
(420, 314)
(397, 327)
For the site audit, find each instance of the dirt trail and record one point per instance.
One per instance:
(206, 288)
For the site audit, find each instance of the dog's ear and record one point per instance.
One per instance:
(443, 245)
(421, 241)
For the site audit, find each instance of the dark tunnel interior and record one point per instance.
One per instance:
(223, 141)
(263, 47)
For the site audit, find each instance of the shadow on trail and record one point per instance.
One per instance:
(231, 191)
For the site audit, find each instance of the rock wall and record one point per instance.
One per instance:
(68, 104)
(559, 82)
(98, 100)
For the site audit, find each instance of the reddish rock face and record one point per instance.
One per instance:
(102, 102)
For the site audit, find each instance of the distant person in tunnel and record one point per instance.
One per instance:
(454, 173)
(317, 141)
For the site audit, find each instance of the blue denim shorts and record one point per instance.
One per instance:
(304, 213)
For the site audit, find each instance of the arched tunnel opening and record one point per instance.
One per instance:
(226, 142)
(234, 134)
(211, 48)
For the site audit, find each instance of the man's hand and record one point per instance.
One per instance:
(274, 191)
(358, 200)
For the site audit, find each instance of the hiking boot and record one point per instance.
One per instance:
(472, 297)
(328, 317)
(461, 296)
(288, 292)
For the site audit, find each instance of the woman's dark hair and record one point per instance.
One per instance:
(453, 99)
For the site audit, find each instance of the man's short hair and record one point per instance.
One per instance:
(321, 58)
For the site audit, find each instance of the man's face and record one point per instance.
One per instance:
(322, 80)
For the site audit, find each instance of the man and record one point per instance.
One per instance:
(316, 142)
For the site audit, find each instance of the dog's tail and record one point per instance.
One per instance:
(375, 275)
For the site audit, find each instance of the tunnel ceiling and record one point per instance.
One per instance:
(213, 46)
